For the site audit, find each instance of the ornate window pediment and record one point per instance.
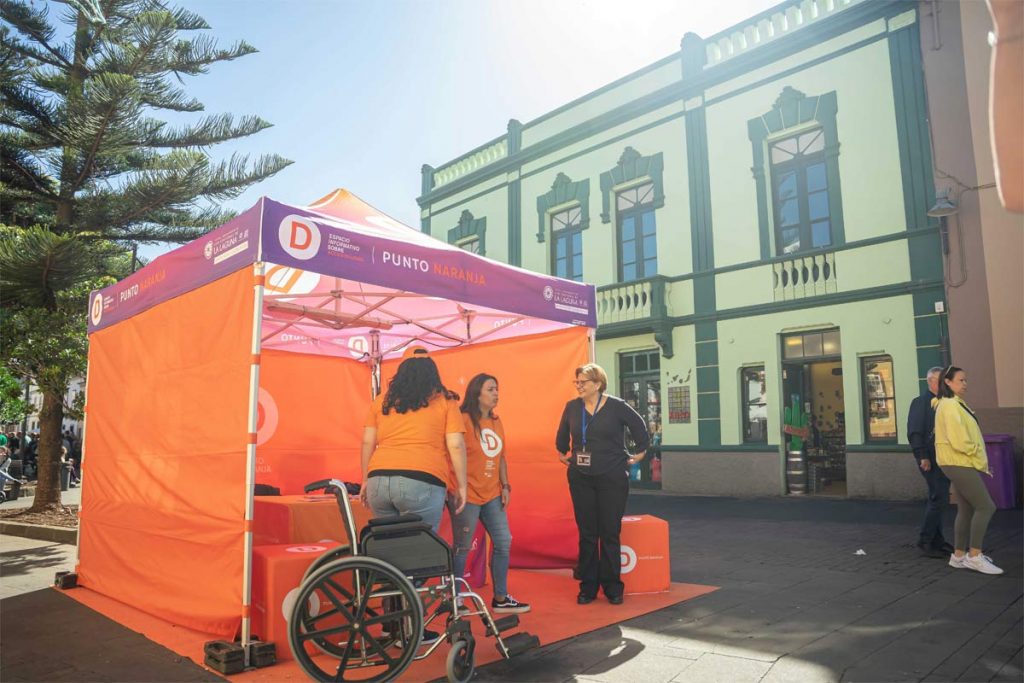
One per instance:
(563, 191)
(798, 130)
(469, 230)
(632, 166)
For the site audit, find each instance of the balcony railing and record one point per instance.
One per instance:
(770, 25)
(803, 276)
(471, 162)
(632, 301)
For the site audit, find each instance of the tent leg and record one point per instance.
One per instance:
(250, 453)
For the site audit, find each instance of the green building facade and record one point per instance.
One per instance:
(753, 210)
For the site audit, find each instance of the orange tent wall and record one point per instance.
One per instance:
(535, 375)
(162, 517)
(311, 414)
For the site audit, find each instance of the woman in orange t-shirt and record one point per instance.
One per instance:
(412, 433)
(488, 491)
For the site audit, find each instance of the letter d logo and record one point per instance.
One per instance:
(299, 236)
(96, 310)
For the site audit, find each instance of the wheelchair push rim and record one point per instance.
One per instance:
(356, 609)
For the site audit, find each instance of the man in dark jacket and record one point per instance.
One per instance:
(921, 433)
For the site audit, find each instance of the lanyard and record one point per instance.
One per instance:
(583, 405)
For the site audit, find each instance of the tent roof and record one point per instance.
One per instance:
(339, 267)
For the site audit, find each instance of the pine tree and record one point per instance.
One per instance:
(78, 134)
(86, 162)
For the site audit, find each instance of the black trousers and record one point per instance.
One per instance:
(598, 503)
(938, 500)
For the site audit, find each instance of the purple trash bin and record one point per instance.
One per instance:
(1002, 485)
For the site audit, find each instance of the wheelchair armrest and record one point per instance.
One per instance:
(316, 485)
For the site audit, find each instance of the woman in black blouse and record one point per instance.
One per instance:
(599, 477)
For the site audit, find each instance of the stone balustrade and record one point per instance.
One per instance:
(471, 162)
(765, 29)
(803, 276)
(631, 301)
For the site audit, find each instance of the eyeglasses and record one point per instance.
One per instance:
(581, 382)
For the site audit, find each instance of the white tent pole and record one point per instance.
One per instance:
(250, 451)
(375, 357)
(81, 468)
(592, 344)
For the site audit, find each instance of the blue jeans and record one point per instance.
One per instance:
(394, 496)
(492, 514)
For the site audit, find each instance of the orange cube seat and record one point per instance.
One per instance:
(644, 554)
(277, 571)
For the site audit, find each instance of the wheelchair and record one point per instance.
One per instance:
(361, 608)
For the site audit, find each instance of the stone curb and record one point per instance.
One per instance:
(40, 532)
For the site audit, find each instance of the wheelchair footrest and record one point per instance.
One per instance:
(518, 643)
(504, 624)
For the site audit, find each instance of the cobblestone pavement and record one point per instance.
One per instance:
(797, 603)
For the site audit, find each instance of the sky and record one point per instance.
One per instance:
(362, 94)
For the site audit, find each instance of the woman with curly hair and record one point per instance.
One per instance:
(412, 433)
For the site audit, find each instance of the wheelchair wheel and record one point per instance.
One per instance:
(355, 609)
(460, 661)
(328, 557)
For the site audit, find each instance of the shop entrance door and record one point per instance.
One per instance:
(640, 383)
(815, 411)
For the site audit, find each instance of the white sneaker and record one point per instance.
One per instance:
(957, 562)
(981, 563)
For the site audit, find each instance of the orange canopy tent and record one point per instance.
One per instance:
(251, 356)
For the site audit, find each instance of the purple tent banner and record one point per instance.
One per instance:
(230, 247)
(377, 250)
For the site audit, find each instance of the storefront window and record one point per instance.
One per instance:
(879, 399)
(640, 387)
(811, 345)
(755, 405)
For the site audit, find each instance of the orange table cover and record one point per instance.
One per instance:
(302, 519)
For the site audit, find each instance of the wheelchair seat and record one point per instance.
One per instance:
(409, 545)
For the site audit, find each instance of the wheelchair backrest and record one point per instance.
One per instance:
(412, 547)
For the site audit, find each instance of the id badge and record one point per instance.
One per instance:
(583, 458)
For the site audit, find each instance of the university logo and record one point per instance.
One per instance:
(630, 519)
(299, 236)
(549, 293)
(208, 250)
(306, 549)
(96, 310)
(627, 558)
(490, 442)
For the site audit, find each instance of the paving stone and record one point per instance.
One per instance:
(795, 604)
(794, 670)
(989, 664)
(631, 666)
(1013, 670)
(712, 668)
(985, 636)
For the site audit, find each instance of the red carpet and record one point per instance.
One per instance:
(555, 616)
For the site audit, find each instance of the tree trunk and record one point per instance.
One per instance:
(51, 419)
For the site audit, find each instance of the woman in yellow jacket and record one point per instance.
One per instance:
(960, 452)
